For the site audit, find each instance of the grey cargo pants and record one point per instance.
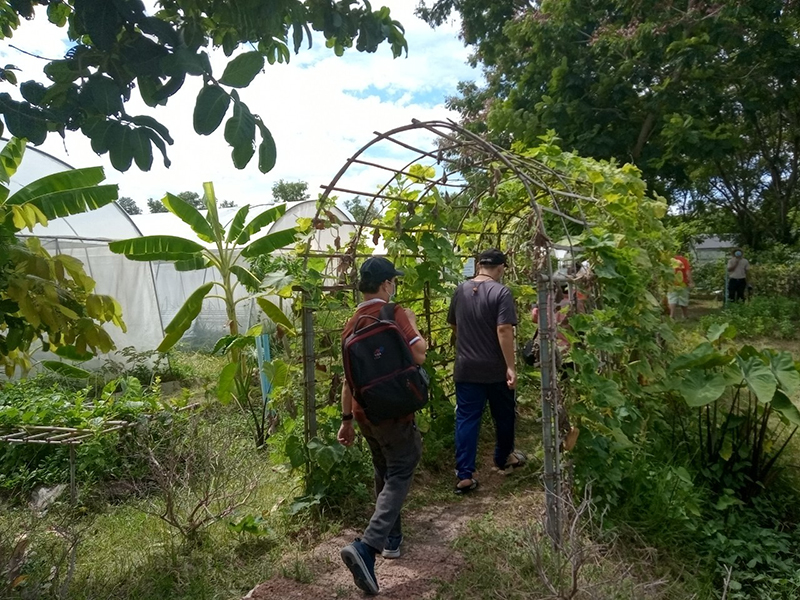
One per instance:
(396, 449)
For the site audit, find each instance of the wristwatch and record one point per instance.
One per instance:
(347, 417)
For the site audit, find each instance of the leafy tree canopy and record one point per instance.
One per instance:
(288, 191)
(156, 206)
(118, 48)
(701, 96)
(129, 206)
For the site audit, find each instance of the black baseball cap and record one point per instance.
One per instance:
(492, 257)
(377, 269)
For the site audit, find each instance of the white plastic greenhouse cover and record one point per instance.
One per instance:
(150, 293)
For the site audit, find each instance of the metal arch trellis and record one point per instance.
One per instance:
(475, 171)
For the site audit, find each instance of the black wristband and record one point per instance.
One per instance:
(347, 417)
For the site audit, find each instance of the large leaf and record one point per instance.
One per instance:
(10, 158)
(274, 313)
(189, 215)
(277, 372)
(720, 331)
(197, 263)
(157, 247)
(58, 182)
(245, 277)
(212, 104)
(269, 243)
(759, 377)
(227, 381)
(785, 371)
(703, 356)
(259, 222)
(267, 152)
(183, 319)
(699, 387)
(65, 370)
(237, 224)
(786, 407)
(75, 202)
(241, 71)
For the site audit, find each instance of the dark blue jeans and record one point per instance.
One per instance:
(470, 402)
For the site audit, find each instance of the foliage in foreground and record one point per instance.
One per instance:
(46, 298)
(117, 47)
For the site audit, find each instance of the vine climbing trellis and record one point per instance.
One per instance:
(431, 195)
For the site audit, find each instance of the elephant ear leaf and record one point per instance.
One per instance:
(184, 317)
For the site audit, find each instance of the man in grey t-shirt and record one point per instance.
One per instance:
(737, 276)
(483, 316)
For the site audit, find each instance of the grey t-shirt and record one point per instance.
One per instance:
(477, 308)
(738, 270)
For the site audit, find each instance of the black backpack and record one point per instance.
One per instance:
(380, 369)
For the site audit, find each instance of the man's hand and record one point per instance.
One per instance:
(347, 434)
(511, 378)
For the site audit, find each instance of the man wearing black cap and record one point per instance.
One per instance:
(395, 444)
(483, 316)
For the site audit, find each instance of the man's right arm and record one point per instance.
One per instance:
(732, 264)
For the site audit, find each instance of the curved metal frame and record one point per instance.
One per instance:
(458, 152)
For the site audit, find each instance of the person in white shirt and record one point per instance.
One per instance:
(737, 276)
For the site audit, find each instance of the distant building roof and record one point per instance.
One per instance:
(712, 242)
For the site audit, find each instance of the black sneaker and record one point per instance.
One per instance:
(360, 559)
(392, 547)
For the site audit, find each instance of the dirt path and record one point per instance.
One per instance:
(428, 555)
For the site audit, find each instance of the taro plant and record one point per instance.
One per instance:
(227, 246)
(45, 297)
(745, 409)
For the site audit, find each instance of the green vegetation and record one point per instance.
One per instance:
(116, 47)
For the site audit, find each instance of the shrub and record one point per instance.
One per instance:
(773, 316)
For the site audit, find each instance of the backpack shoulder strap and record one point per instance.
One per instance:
(387, 312)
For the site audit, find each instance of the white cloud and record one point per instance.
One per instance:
(320, 108)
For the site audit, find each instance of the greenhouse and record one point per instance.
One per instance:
(150, 293)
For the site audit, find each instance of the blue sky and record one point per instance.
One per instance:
(320, 108)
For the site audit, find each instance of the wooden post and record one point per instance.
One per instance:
(73, 486)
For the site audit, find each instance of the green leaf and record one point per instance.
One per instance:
(65, 370)
(703, 356)
(71, 353)
(259, 222)
(759, 378)
(184, 317)
(269, 243)
(157, 247)
(295, 450)
(102, 94)
(237, 224)
(327, 457)
(240, 133)
(210, 108)
(11, 158)
(189, 215)
(277, 372)
(142, 148)
(245, 277)
(197, 263)
(226, 382)
(786, 407)
(785, 371)
(58, 182)
(100, 20)
(720, 331)
(151, 123)
(700, 387)
(241, 71)
(267, 152)
(274, 313)
(120, 147)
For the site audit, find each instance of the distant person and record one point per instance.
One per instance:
(737, 276)
(678, 294)
(483, 317)
(395, 444)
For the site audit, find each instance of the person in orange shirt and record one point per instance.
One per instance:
(678, 295)
(395, 444)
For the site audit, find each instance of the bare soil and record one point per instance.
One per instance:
(428, 555)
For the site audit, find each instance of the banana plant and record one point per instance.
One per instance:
(44, 297)
(229, 245)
